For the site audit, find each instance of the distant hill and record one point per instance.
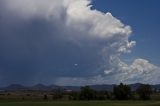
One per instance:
(14, 87)
(39, 87)
(102, 87)
(17, 87)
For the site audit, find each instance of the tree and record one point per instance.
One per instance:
(122, 92)
(102, 95)
(144, 91)
(45, 97)
(74, 95)
(86, 93)
(58, 94)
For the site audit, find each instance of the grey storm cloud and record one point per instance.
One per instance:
(66, 42)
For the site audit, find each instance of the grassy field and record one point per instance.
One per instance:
(84, 103)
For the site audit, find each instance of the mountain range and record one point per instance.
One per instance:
(41, 87)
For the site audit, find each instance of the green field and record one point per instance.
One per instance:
(84, 103)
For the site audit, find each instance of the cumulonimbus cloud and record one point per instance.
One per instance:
(89, 29)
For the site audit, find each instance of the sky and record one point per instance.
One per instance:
(143, 16)
(79, 42)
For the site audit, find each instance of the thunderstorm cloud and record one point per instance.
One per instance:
(66, 42)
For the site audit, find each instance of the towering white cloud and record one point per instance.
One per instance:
(91, 29)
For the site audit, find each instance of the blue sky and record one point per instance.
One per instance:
(67, 42)
(143, 16)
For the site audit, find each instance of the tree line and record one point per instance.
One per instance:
(120, 92)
